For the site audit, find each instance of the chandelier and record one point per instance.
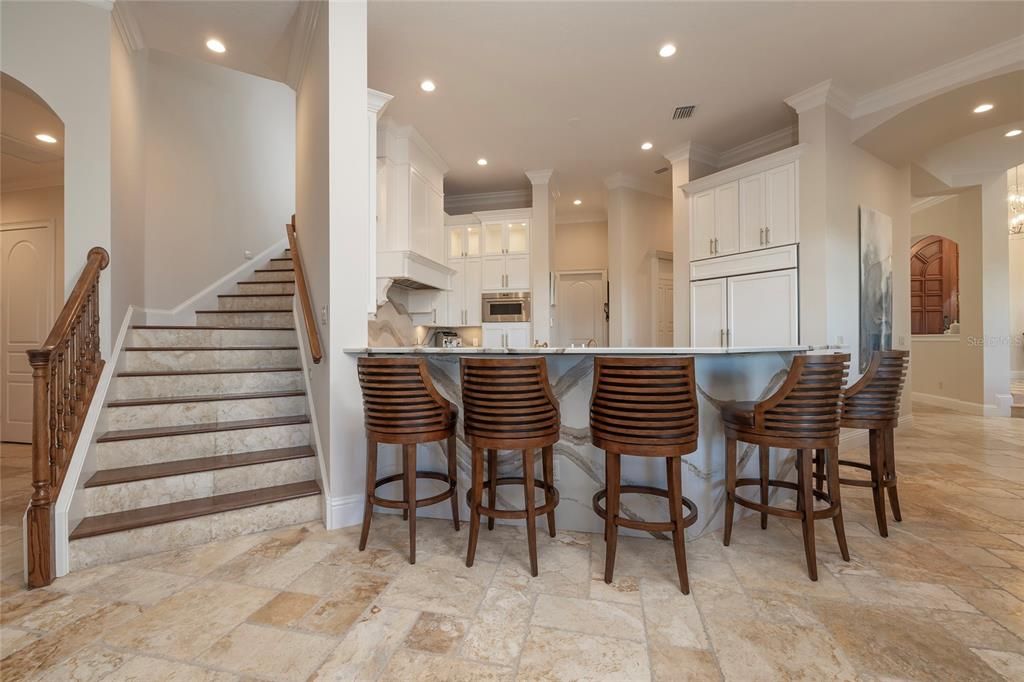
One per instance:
(1015, 204)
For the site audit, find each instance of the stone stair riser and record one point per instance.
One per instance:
(277, 265)
(210, 338)
(208, 412)
(105, 549)
(273, 275)
(265, 288)
(127, 388)
(181, 360)
(261, 302)
(245, 319)
(117, 454)
(147, 493)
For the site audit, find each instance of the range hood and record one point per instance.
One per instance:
(410, 270)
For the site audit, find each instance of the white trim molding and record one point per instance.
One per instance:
(822, 93)
(927, 202)
(306, 19)
(487, 201)
(127, 27)
(758, 147)
(344, 511)
(591, 217)
(763, 163)
(693, 150)
(540, 177)
(620, 180)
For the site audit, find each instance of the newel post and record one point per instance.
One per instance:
(39, 522)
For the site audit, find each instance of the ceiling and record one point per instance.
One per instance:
(25, 162)
(577, 87)
(257, 34)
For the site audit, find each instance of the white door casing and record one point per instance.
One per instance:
(580, 311)
(27, 310)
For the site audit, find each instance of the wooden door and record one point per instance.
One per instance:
(708, 313)
(702, 227)
(780, 205)
(580, 309)
(763, 309)
(934, 285)
(727, 219)
(27, 311)
(752, 213)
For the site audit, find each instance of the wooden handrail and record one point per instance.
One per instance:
(302, 290)
(65, 372)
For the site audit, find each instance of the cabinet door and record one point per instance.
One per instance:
(702, 225)
(763, 309)
(727, 219)
(517, 335)
(456, 242)
(419, 214)
(493, 277)
(780, 204)
(472, 303)
(752, 216)
(474, 241)
(708, 303)
(493, 336)
(457, 296)
(517, 271)
(435, 226)
(494, 239)
(517, 237)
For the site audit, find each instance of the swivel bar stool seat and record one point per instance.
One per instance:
(873, 403)
(403, 407)
(645, 407)
(509, 405)
(802, 415)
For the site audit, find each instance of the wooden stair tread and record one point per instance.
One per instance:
(186, 372)
(199, 464)
(173, 400)
(202, 348)
(255, 295)
(213, 327)
(282, 258)
(275, 270)
(234, 312)
(188, 509)
(266, 281)
(212, 427)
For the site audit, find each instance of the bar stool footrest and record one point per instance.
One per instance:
(826, 513)
(550, 498)
(655, 526)
(425, 502)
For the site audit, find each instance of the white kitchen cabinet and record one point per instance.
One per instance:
(780, 205)
(474, 289)
(493, 273)
(702, 225)
(463, 305)
(507, 335)
(727, 219)
(752, 212)
(517, 273)
(708, 313)
(763, 309)
(464, 241)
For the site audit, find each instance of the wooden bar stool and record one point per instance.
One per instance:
(645, 407)
(803, 415)
(873, 403)
(402, 407)
(509, 405)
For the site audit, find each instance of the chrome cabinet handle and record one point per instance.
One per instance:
(767, 235)
(762, 236)
(716, 244)
(721, 337)
(711, 246)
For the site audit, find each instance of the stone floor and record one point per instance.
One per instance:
(941, 598)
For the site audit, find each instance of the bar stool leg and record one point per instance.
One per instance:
(674, 473)
(531, 510)
(371, 488)
(819, 470)
(799, 480)
(548, 457)
(409, 452)
(730, 487)
(453, 474)
(762, 455)
(833, 497)
(890, 473)
(405, 489)
(612, 473)
(476, 495)
(492, 484)
(876, 444)
(806, 498)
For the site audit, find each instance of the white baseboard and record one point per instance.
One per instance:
(856, 438)
(184, 313)
(344, 511)
(1001, 408)
(977, 409)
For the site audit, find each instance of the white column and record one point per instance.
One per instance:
(995, 293)
(375, 105)
(542, 227)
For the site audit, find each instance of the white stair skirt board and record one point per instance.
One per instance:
(307, 371)
(70, 503)
(184, 313)
(344, 511)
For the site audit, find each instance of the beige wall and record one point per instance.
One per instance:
(45, 203)
(581, 246)
(220, 173)
(1017, 305)
(954, 370)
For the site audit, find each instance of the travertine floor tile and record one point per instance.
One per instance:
(268, 652)
(436, 634)
(558, 655)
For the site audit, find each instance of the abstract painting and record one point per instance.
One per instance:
(875, 283)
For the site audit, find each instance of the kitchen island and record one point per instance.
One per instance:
(723, 374)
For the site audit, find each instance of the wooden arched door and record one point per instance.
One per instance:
(934, 285)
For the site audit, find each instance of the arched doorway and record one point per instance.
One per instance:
(31, 244)
(934, 285)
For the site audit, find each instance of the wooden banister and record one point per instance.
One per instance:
(302, 290)
(64, 376)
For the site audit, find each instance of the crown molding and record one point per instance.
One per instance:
(693, 150)
(1002, 57)
(377, 101)
(306, 17)
(127, 27)
(622, 180)
(392, 133)
(928, 202)
(762, 163)
(758, 147)
(823, 93)
(540, 177)
(456, 204)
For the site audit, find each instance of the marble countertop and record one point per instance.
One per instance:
(430, 350)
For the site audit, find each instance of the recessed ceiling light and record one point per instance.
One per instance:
(428, 86)
(481, 162)
(577, 202)
(1013, 133)
(647, 146)
(667, 50)
(49, 139)
(982, 108)
(216, 46)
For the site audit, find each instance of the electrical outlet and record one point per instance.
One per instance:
(248, 254)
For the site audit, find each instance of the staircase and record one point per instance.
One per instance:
(206, 431)
(1017, 391)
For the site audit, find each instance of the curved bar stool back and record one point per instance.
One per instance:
(645, 407)
(509, 405)
(803, 415)
(873, 403)
(402, 406)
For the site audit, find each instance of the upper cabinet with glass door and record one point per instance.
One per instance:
(506, 237)
(464, 241)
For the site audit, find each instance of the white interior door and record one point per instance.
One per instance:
(663, 311)
(763, 309)
(708, 313)
(580, 312)
(26, 309)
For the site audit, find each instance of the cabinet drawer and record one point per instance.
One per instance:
(745, 263)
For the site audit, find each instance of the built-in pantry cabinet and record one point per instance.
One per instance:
(506, 249)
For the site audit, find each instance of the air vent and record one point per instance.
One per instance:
(661, 170)
(683, 112)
